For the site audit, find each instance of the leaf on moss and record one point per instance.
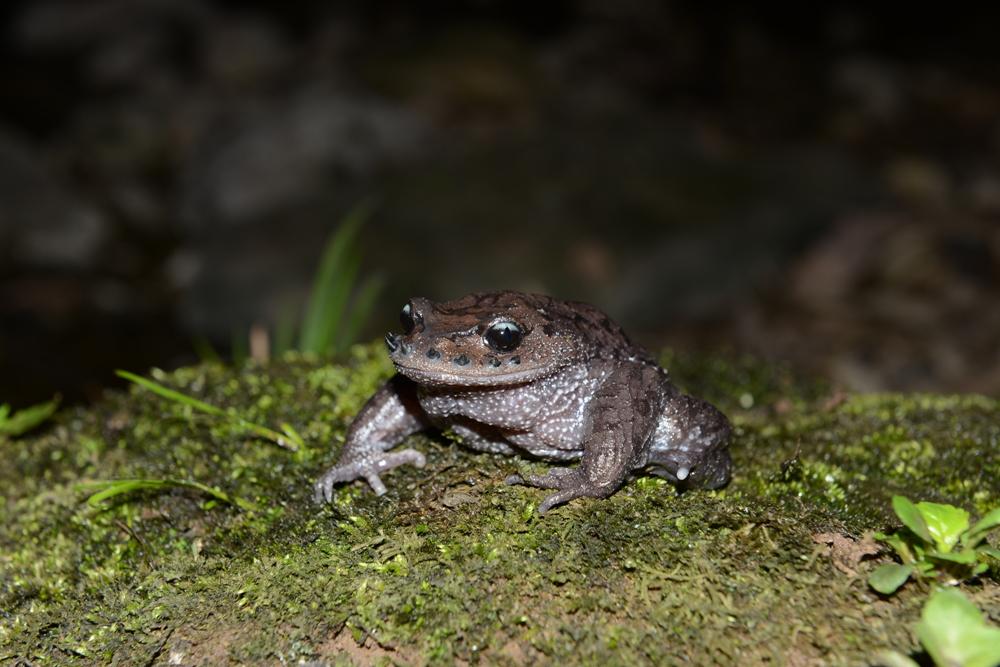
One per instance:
(967, 557)
(911, 518)
(953, 631)
(22, 421)
(990, 521)
(946, 523)
(889, 577)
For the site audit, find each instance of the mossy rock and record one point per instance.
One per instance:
(451, 566)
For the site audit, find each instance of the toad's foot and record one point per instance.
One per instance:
(368, 468)
(571, 482)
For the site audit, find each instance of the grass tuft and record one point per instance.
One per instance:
(332, 320)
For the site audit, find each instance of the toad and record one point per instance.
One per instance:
(526, 374)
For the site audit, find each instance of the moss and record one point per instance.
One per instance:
(453, 565)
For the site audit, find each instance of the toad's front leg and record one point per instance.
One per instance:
(389, 416)
(620, 421)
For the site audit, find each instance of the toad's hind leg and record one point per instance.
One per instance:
(620, 420)
(691, 444)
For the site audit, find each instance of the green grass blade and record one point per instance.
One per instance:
(331, 290)
(328, 302)
(360, 313)
(171, 394)
(108, 489)
(23, 421)
(282, 440)
(292, 434)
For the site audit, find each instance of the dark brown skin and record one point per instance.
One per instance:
(516, 373)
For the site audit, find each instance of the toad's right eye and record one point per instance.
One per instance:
(504, 336)
(409, 319)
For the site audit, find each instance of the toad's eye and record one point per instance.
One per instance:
(409, 319)
(503, 336)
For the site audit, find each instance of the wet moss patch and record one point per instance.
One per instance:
(452, 565)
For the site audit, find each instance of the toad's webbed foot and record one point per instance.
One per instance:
(367, 468)
(571, 482)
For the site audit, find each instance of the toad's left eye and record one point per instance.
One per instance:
(503, 336)
(409, 318)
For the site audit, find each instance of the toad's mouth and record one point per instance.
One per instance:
(473, 376)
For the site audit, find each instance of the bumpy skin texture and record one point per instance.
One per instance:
(515, 373)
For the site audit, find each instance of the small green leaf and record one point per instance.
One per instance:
(889, 577)
(990, 551)
(911, 518)
(990, 521)
(898, 545)
(967, 557)
(946, 523)
(23, 421)
(953, 631)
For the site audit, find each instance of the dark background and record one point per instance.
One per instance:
(819, 185)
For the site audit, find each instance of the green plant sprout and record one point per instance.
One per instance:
(288, 438)
(22, 421)
(953, 631)
(339, 304)
(937, 544)
(333, 320)
(107, 489)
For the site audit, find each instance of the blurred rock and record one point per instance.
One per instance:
(919, 182)
(41, 222)
(243, 51)
(273, 153)
(873, 87)
(66, 25)
(892, 301)
(984, 193)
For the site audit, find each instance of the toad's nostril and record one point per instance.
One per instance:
(461, 360)
(433, 354)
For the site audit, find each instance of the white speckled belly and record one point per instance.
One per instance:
(545, 417)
